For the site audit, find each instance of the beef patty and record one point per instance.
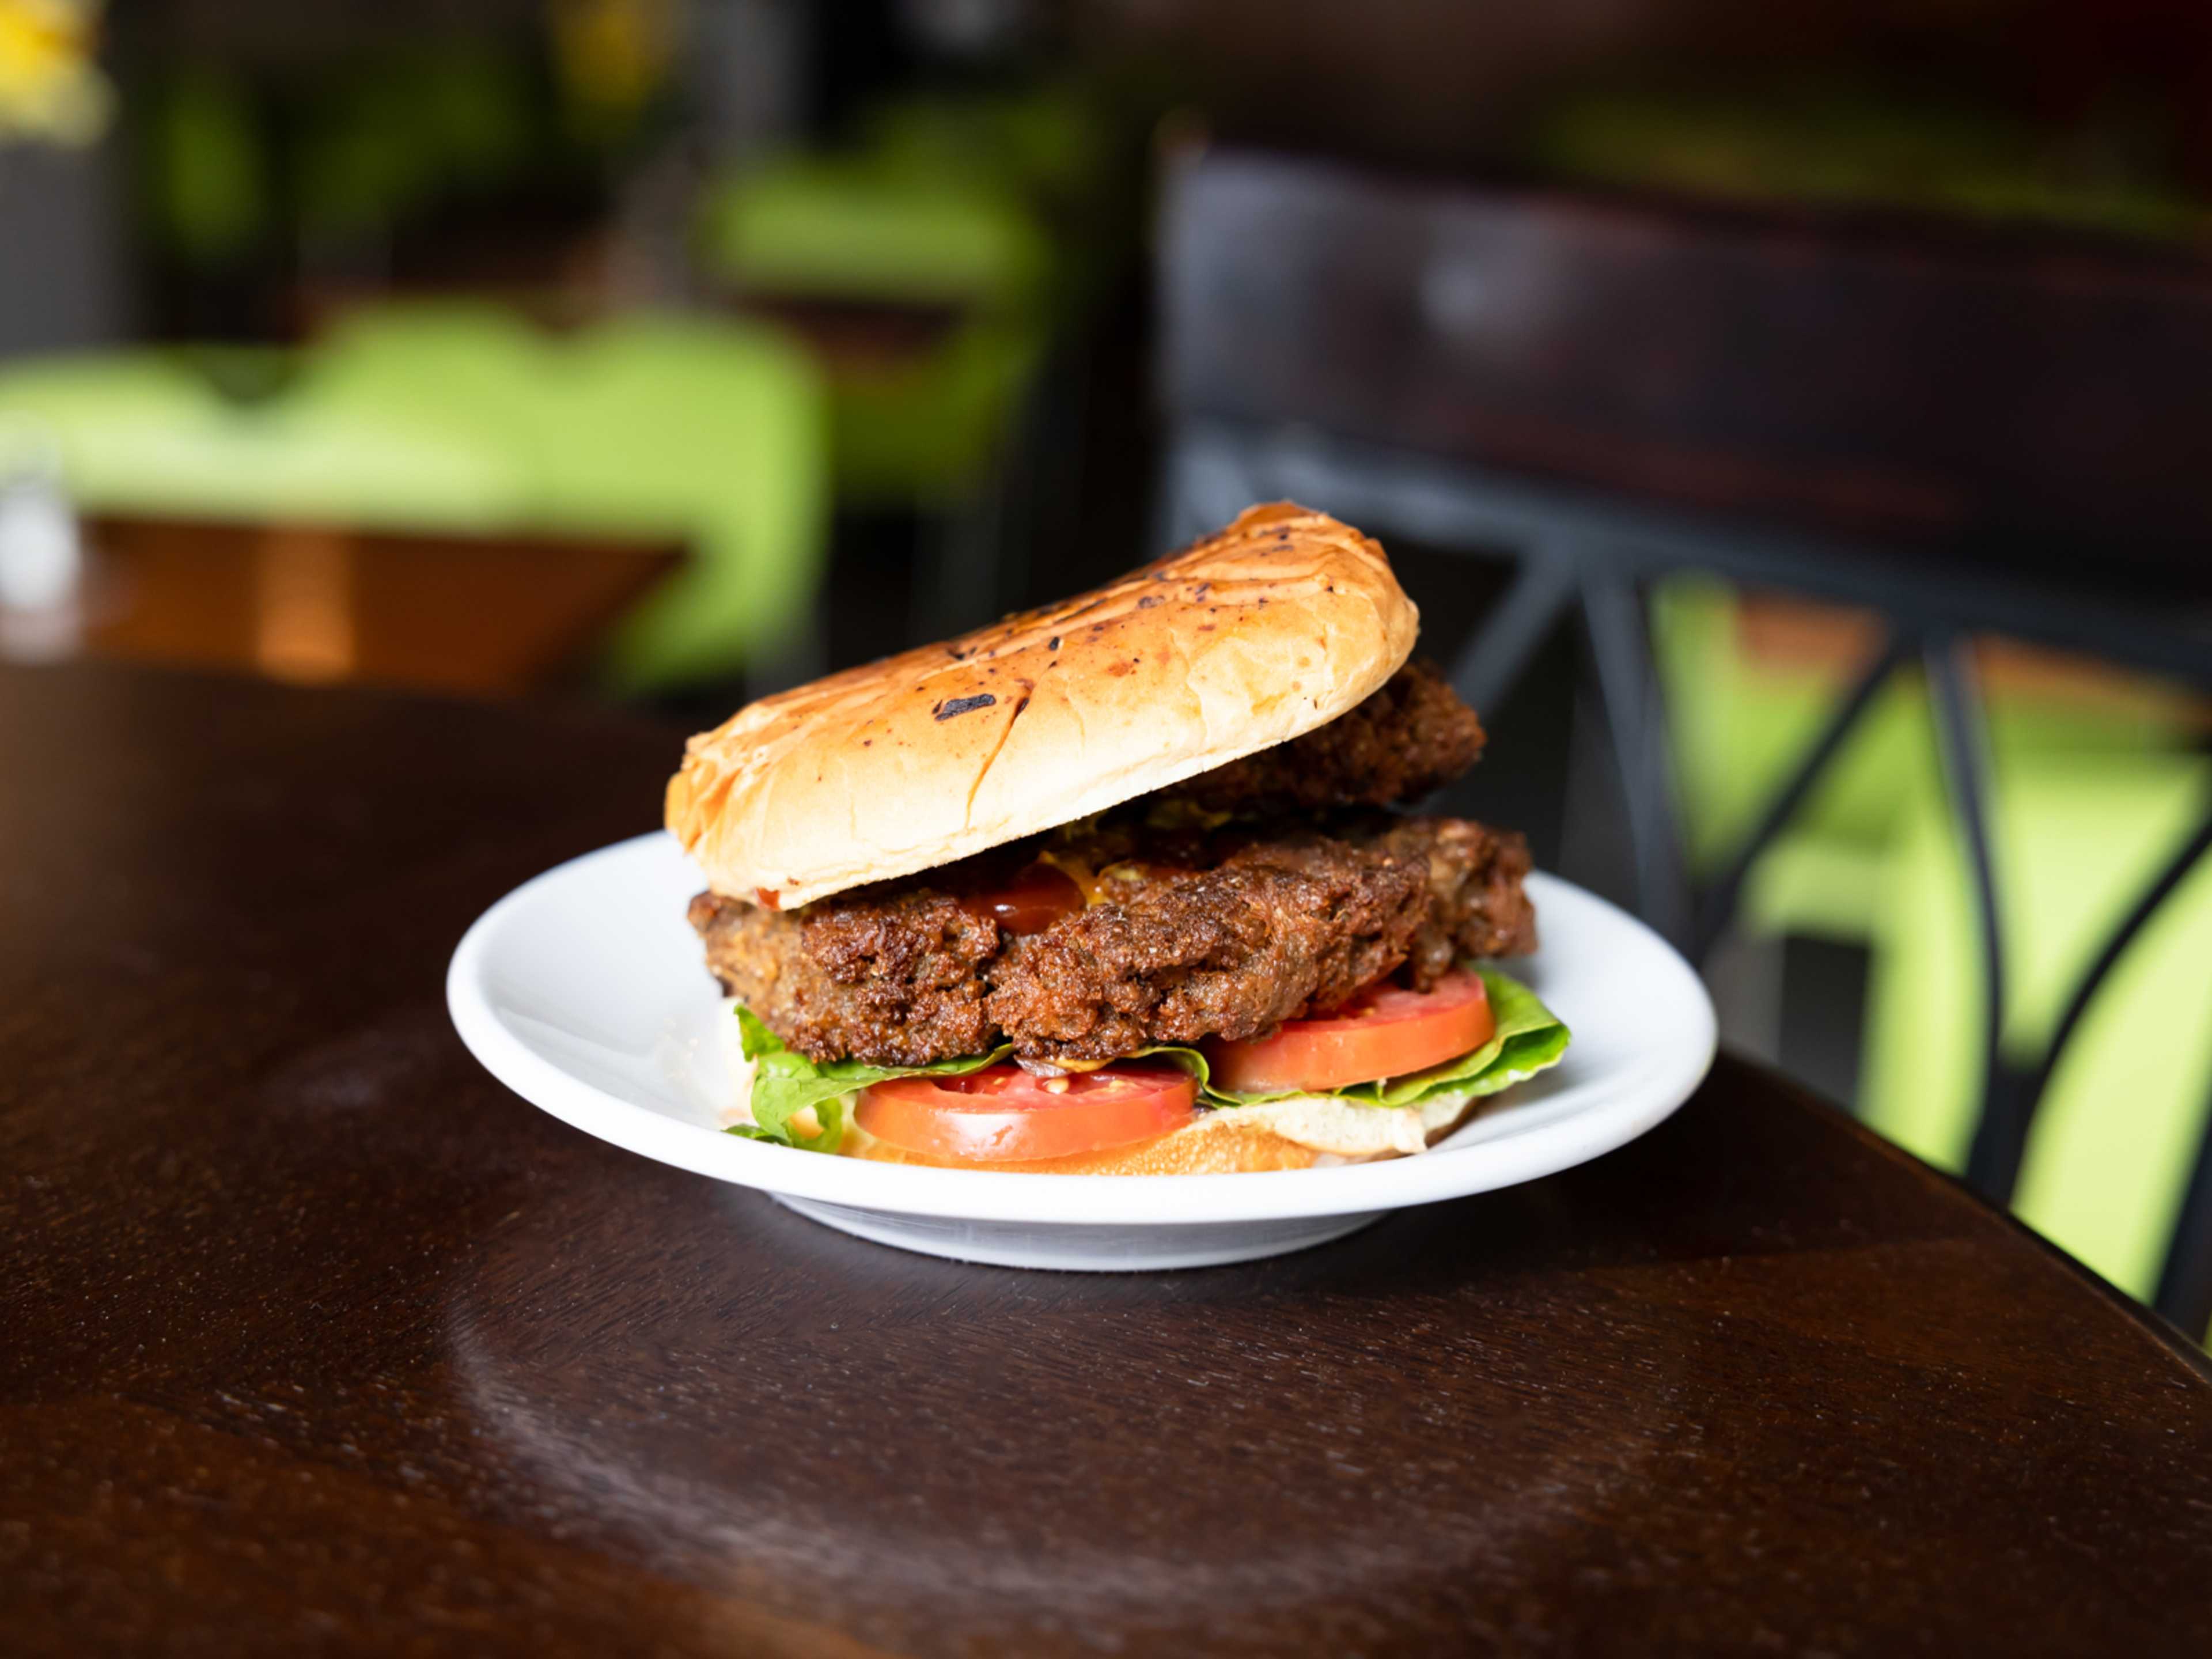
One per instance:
(1192, 934)
(1402, 742)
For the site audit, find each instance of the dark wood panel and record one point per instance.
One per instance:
(317, 1340)
(2004, 401)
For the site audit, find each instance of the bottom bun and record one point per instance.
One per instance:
(1220, 1143)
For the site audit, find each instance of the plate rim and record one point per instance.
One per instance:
(1623, 1105)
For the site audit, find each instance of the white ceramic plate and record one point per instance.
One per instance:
(583, 992)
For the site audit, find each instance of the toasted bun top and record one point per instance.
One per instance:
(1274, 626)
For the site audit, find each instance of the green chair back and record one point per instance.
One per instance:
(463, 418)
(2090, 802)
(2077, 838)
(905, 227)
(852, 228)
(1738, 728)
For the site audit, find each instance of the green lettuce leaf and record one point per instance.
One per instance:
(785, 1085)
(1529, 1038)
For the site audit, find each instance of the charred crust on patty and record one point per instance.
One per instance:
(1233, 932)
(1406, 740)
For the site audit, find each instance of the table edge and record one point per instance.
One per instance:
(2163, 1332)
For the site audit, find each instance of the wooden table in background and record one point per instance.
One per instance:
(498, 614)
(317, 1340)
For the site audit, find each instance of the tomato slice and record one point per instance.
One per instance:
(1001, 1113)
(1033, 901)
(1381, 1033)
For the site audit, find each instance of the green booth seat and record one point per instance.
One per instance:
(2077, 838)
(927, 433)
(707, 430)
(465, 419)
(1044, 142)
(857, 228)
(153, 432)
(923, 429)
(1047, 148)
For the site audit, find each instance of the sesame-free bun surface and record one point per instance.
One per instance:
(1249, 638)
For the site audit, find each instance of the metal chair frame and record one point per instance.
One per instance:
(1584, 554)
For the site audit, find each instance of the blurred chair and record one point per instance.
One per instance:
(1779, 140)
(1748, 680)
(1042, 143)
(712, 431)
(2119, 1072)
(463, 420)
(923, 288)
(275, 197)
(1958, 439)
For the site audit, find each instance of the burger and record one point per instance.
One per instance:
(1121, 886)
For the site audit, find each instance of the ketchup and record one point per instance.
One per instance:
(1035, 899)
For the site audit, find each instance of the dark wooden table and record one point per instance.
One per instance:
(313, 1339)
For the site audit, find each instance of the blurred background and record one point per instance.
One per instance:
(1792, 422)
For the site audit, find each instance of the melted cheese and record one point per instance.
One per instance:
(1105, 885)
(1077, 871)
